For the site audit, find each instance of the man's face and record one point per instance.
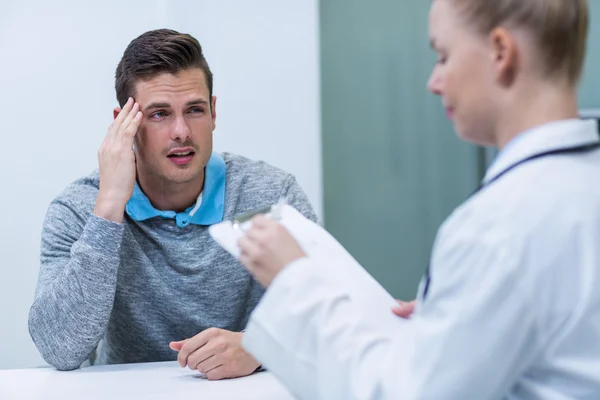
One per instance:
(174, 140)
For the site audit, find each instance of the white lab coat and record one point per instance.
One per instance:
(513, 310)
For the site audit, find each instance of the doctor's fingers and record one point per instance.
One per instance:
(271, 235)
(259, 236)
(261, 222)
(404, 309)
(249, 247)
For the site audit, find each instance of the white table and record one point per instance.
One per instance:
(163, 380)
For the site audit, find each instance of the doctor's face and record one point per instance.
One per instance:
(462, 76)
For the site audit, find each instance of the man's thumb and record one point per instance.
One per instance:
(177, 345)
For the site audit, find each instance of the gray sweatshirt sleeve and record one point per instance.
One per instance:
(297, 198)
(76, 285)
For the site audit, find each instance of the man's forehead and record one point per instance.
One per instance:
(181, 86)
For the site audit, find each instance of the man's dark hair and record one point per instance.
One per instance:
(156, 52)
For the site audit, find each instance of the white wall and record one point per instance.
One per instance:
(57, 63)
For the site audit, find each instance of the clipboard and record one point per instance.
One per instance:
(369, 296)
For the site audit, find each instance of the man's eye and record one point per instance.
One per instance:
(159, 114)
(196, 110)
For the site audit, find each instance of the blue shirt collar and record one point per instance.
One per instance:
(211, 201)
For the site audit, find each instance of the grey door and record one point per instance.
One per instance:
(393, 167)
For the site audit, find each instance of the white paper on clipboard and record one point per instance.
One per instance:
(371, 299)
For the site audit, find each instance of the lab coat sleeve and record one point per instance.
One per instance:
(470, 339)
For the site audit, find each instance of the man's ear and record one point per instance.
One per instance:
(116, 112)
(505, 55)
(213, 111)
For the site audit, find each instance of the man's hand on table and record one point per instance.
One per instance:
(217, 353)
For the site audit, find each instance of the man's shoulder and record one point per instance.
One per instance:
(240, 168)
(253, 184)
(81, 192)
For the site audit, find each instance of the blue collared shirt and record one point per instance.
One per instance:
(208, 209)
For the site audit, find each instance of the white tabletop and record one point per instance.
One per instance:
(164, 380)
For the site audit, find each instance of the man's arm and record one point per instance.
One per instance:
(467, 340)
(80, 255)
(76, 285)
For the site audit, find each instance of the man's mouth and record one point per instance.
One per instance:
(181, 156)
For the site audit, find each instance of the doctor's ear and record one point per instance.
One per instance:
(505, 55)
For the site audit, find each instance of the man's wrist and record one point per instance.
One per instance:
(109, 209)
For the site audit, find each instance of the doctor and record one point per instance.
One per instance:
(510, 306)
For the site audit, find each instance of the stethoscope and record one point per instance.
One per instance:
(584, 148)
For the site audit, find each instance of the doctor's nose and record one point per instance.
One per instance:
(434, 84)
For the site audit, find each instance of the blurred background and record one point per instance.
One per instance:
(332, 91)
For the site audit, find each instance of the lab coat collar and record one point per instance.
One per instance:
(551, 136)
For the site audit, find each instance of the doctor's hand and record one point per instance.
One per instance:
(404, 309)
(217, 353)
(267, 248)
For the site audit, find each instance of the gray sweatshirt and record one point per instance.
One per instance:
(138, 285)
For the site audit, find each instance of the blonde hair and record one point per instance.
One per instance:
(559, 28)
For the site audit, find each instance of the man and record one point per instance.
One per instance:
(126, 258)
(510, 306)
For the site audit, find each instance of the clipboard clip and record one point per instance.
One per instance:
(243, 221)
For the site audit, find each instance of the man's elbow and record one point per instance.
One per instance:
(59, 356)
(63, 364)
(55, 353)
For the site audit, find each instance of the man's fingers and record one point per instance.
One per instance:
(118, 121)
(189, 347)
(132, 129)
(176, 345)
(217, 373)
(128, 120)
(208, 364)
(182, 357)
(124, 112)
(200, 355)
